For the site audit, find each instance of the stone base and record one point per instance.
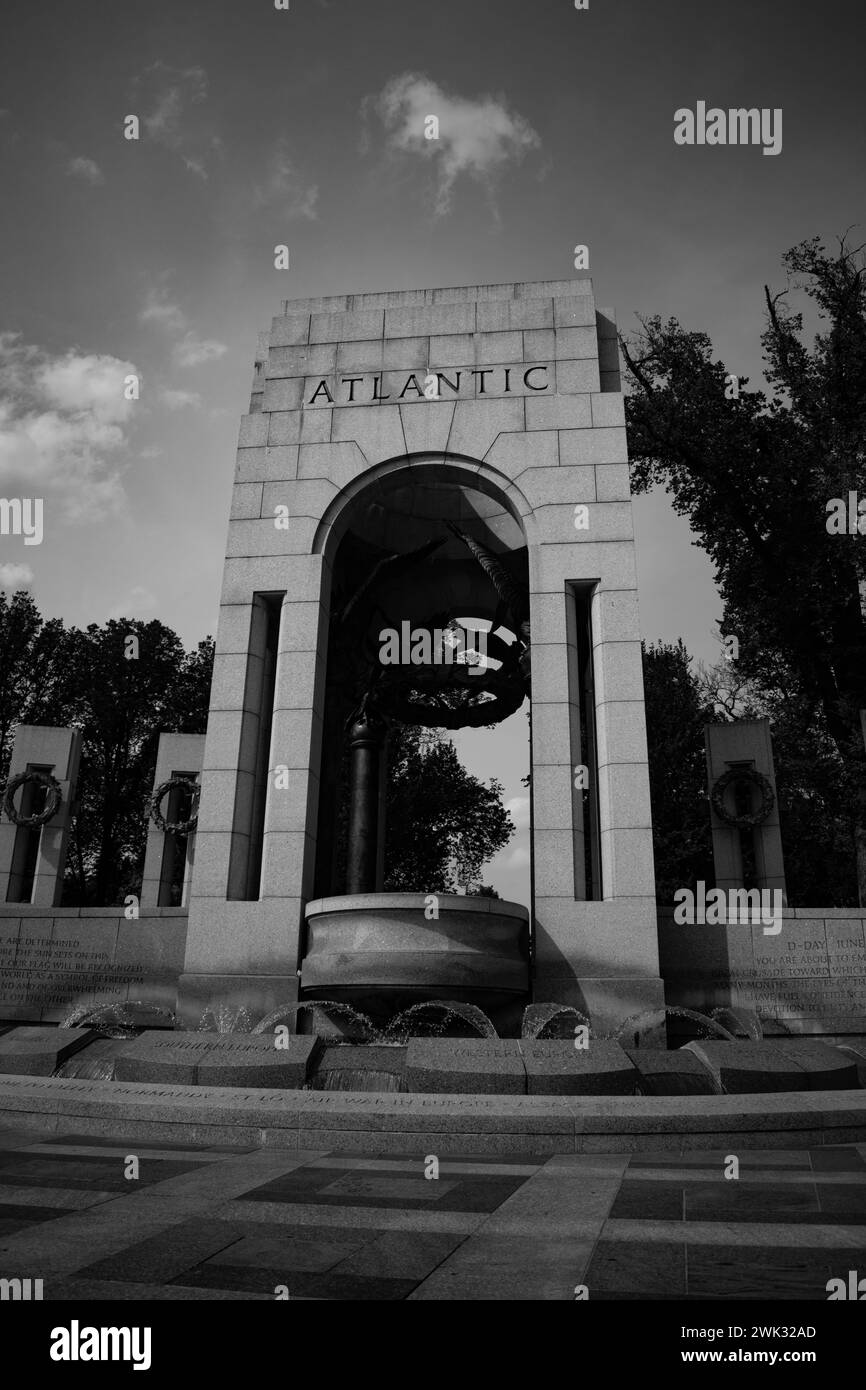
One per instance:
(39, 1050)
(215, 1059)
(380, 953)
(752, 1068)
(561, 1069)
(469, 1066)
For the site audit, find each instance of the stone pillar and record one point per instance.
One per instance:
(56, 751)
(244, 937)
(178, 755)
(601, 953)
(744, 744)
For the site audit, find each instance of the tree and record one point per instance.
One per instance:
(122, 703)
(676, 715)
(437, 813)
(754, 475)
(34, 672)
(63, 676)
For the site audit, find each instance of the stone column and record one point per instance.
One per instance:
(243, 947)
(58, 751)
(600, 955)
(178, 754)
(744, 743)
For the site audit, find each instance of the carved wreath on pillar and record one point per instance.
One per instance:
(154, 805)
(737, 776)
(53, 800)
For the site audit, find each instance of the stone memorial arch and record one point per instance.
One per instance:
(450, 460)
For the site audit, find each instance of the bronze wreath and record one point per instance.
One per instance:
(756, 779)
(174, 827)
(53, 801)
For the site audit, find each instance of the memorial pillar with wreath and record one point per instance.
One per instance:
(747, 839)
(37, 813)
(172, 816)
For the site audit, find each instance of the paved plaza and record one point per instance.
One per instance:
(232, 1223)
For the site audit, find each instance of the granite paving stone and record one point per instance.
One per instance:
(400, 1254)
(637, 1267)
(663, 1201)
(730, 1271)
(521, 1226)
(305, 1248)
(843, 1202)
(331, 1285)
(162, 1256)
(731, 1201)
(846, 1159)
(16, 1217)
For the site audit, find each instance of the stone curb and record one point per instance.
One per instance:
(348, 1120)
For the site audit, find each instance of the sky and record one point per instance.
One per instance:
(155, 257)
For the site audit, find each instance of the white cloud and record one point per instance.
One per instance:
(160, 310)
(15, 576)
(179, 400)
(86, 169)
(138, 603)
(191, 351)
(176, 117)
(284, 189)
(63, 425)
(81, 383)
(478, 136)
(516, 858)
(518, 808)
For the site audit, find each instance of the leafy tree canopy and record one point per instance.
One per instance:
(437, 814)
(754, 474)
(68, 677)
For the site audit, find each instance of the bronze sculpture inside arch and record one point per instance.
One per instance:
(449, 695)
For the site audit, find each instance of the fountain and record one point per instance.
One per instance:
(469, 1013)
(113, 1021)
(539, 1017)
(116, 1020)
(675, 1011)
(337, 1006)
(224, 1019)
(746, 1021)
(382, 954)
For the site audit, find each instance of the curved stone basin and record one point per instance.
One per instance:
(378, 952)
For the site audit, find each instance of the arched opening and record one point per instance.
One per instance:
(428, 639)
